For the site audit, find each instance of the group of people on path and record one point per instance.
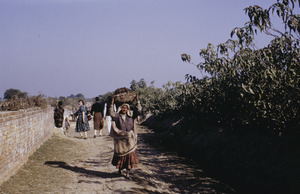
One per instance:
(120, 124)
(100, 112)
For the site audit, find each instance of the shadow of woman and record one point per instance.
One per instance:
(76, 169)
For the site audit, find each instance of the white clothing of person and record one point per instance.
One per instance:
(108, 117)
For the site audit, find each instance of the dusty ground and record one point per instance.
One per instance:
(67, 164)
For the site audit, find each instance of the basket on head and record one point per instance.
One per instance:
(122, 95)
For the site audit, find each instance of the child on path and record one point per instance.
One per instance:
(67, 126)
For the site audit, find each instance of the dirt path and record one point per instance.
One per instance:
(67, 164)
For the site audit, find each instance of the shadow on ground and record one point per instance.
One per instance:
(178, 173)
(76, 169)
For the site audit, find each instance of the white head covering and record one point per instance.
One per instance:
(129, 112)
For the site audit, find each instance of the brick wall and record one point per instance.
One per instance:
(21, 133)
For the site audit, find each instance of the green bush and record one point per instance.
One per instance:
(246, 87)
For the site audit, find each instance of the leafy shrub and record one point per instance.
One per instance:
(14, 103)
(9, 93)
(249, 86)
(246, 87)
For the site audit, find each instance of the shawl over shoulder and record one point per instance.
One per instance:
(125, 142)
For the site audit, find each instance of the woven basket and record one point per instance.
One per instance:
(123, 95)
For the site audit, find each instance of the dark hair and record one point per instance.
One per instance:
(97, 98)
(60, 103)
(81, 101)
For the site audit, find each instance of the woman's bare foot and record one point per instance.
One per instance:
(119, 172)
(127, 175)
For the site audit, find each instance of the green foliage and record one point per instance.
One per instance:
(15, 103)
(105, 97)
(69, 101)
(248, 86)
(81, 96)
(147, 95)
(9, 93)
(159, 101)
(71, 96)
(186, 57)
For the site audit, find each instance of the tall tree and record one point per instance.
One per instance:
(250, 86)
(142, 83)
(133, 85)
(80, 95)
(9, 93)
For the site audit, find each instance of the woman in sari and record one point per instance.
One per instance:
(59, 115)
(125, 137)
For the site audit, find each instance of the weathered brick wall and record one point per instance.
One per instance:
(21, 133)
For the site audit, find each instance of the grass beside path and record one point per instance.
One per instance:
(35, 176)
(68, 164)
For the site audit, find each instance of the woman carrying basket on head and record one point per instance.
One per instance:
(125, 136)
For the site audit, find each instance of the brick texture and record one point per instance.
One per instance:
(21, 133)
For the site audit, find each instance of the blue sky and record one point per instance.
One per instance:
(63, 47)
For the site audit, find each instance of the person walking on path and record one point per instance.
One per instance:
(67, 125)
(97, 112)
(125, 136)
(59, 115)
(82, 124)
(106, 113)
